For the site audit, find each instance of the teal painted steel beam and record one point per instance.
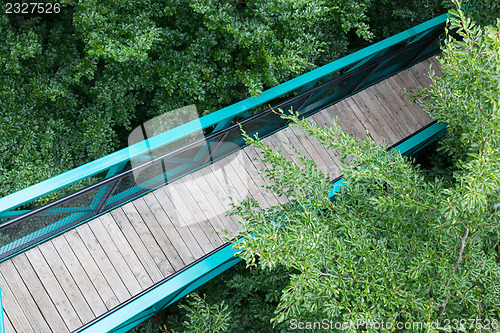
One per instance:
(12, 213)
(130, 325)
(204, 279)
(370, 58)
(223, 124)
(113, 160)
(117, 168)
(45, 230)
(126, 326)
(98, 197)
(432, 132)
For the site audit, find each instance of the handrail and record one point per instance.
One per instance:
(67, 178)
(187, 146)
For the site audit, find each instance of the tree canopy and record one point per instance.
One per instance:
(75, 83)
(398, 244)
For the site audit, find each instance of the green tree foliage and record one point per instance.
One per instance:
(405, 14)
(395, 245)
(244, 300)
(250, 294)
(74, 84)
(484, 12)
(402, 14)
(203, 317)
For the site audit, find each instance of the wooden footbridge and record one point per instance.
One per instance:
(110, 255)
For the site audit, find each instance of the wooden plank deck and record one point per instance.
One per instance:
(68, 281)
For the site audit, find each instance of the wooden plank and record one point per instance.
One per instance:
(236, 189)
(184, 217)
(346, 119)
(216, 170)
(389, 114)
(39, 294)
(274, 143)
(295, 142)
(380, 125)
(256, 155)
(234, 178)
(102, 261)
(402, 99)
(347, 126)
(258, 178)
(216, 175)
(162, 231)
(221, 177)
(368, 122)
(210, 204)
(13, 310)
(241, 167)
(80, 276)
(313, 150)
(141, 268)
(211, 187)
(243, 183)
(323, 159)
(314, 146)
(185, 196)
(423, 117)
(306, 141)
(231, 171)
(408, 80)
(389, 98)
(366, 104)
(284, 142)
(56, 293)
(9, 328)
(68, 285)
(145, 247)
(98, 279)
(116, 256)
(23, 297)
(180, 226)
(420, 72)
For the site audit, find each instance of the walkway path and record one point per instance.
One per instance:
(66, 282)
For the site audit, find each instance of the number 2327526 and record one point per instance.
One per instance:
(32, 8)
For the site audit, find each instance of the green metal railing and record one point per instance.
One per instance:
(306, 94)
